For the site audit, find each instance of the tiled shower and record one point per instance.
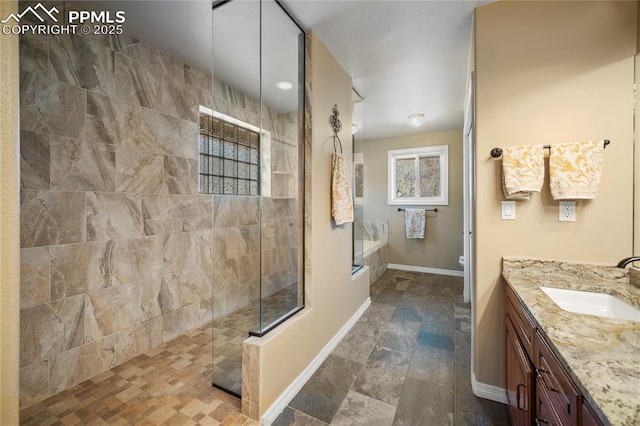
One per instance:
(119, 251)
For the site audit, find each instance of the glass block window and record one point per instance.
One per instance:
(229, 158)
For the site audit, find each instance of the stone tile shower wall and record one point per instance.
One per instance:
(376, 257)
(119, 252)
(376, 230)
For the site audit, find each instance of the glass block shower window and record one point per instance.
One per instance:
(229, 158)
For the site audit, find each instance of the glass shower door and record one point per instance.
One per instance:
(281, 212)
(237, 146)
(257, 104)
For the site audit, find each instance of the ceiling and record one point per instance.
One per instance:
(405, 56)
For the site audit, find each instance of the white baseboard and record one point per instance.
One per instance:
(449, 272)
(285, 398)
(491, 392)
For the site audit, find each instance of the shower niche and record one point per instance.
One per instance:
(251, 152)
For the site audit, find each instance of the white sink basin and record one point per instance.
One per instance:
(600, 304)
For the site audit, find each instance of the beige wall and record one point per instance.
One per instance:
(332, 296)
(9, 224)
(636, 198)
(443, 235)
(549, 72)
(637, 29)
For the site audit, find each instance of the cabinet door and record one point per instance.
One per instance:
(563, 394)
(545, 413)
(519, 380)
(589, 418)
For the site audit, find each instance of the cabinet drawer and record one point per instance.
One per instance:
(522, 323)
(545, 413)
(551, 376)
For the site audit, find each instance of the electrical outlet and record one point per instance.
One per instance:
(567, 211)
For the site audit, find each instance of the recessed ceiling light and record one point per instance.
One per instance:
(416, 120)
(285, 85)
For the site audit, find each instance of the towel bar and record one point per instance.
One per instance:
(497, 152)
(400, 209)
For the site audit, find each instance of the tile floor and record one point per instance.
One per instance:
(405, 362)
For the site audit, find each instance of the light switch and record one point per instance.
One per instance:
(508, 210)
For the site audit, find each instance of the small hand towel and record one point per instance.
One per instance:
(341, 201)
(414, 223)
(522, 171)
(575, 170)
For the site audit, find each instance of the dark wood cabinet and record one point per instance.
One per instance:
(562, 393)
(524, 327)
(539, 390)
(519, 380)
(589, 418)
(545, 414)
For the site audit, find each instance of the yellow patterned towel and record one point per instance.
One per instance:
(522, 171)
(341, 201)
(575, 170)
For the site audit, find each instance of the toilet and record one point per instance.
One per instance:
(461, 261)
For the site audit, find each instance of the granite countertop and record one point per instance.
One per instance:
(602, 355)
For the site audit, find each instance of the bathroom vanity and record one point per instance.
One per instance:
(567, 368)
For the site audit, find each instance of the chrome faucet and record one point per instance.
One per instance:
(627, 260)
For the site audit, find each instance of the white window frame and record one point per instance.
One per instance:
(441, 151)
